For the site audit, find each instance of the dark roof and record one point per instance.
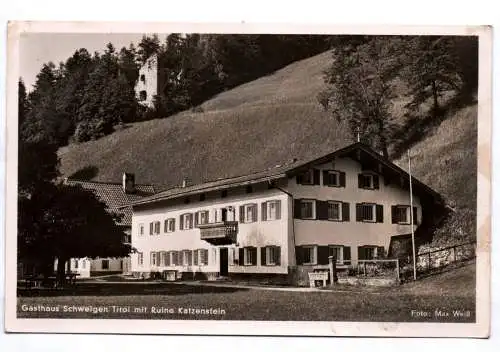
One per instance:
(114, 197)
(367, 156)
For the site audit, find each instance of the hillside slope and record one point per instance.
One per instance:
(247, 129)
(264, 123)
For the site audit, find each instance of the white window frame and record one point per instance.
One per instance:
(206, 215)
(310, 174)
(372, 185)
(187, 225)
(340, 249)
(313, 205)
(246, 209)
(332, 172)
(275, 202)
(407, 210)
(76, 264)
(374, 212)
(141, 229)
(140, 259)
(340, 210)
(247, 258)
(314, 250)
(170, 222)
(157, 228)
(270, 253)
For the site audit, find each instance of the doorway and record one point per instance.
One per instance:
(223, 254)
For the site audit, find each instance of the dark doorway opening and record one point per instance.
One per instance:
(223, 262)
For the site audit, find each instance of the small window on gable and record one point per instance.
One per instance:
(249, 189)
(368, 181)
(143, 95)
(333, 178)
(306, 178)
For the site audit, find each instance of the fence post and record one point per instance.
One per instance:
(397, 268)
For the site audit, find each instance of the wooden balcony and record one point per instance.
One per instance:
(220, 233)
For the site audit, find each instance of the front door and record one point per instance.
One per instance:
(223, 261)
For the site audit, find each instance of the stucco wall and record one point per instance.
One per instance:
(257, 234)
(352, 233)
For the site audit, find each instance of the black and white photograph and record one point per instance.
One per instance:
(163, 179)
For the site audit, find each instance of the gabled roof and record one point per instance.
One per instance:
(113, 195)
(369, 158)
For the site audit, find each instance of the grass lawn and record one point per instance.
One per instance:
(416, 302)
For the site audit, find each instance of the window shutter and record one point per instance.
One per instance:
(254, 255)
(277, 255)
(360, 181)
(375, 182)
(415, 216)
(278, 209)
(380, 213)
(190, 221)
(263, 256)
(195, 257)
(254, 212)
(359, 212)
(321, 210)
(345, 211)
(181, 222)
(296, 208)
(325, 178)
(316, 176)
(347, 254)
(242, 213)
(173, 224)
(299, 257)
(205, 257)
(241, 257)
(342, 179)
(264, 211)
(165, 226)
(323, 253)
(151, 228)
(394, 215)
(196, 218)
(380, 252)
(361, 253)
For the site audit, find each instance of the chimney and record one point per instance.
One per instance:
(128, 183)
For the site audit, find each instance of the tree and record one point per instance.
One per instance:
(128, 64)
(432, 68)
(23, 103)
(147, 47)
(360, 90)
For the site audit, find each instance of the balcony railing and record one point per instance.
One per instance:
(220, 233)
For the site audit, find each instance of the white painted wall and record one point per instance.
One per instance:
(258, 234)
(352, 233)
(150, 85)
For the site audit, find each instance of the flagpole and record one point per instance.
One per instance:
(412, 222)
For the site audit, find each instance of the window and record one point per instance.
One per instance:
(175, 258)
(157, 226)
(154, 259)
(337, 252)
(249, 189)
(143, 78)
(307, 210)
(163, 258)
(167, 258)
(250, 255)
(335, 210)
(201, 217)
(333, 178)
(233, 256)
(309, 255)
(76, 263)
(368, 181)
(195, 257)
(203, 256)
(169, 225)
(187, 256)
(121, 264)
(140, 259)
(202, 197)
(306, 178)
(186, 221)
(271, 210)
(248, 213)
(223, 194)
(401, 214)
(105, 264)
(271, 255)
(369, 212)
(141, 229)
(143, 95)
(151, 228)
(370, 252)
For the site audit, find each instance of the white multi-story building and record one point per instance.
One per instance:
(280, 223)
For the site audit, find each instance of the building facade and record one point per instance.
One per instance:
(147, 85)
(281, 223)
